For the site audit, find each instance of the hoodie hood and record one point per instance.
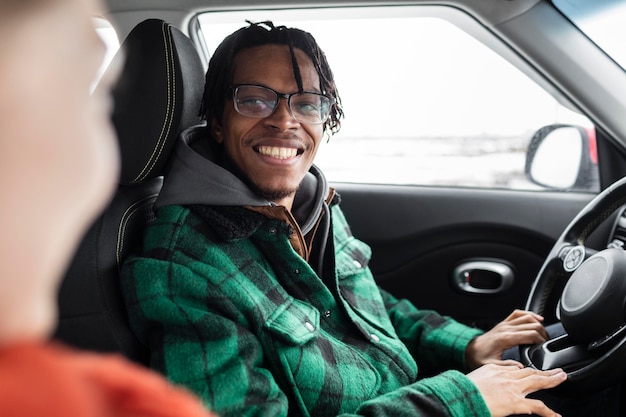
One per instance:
(195, 178)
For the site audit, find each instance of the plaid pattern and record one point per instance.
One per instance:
(231, 311)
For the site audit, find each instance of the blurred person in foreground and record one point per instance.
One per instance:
(58, 168)
(251, 290)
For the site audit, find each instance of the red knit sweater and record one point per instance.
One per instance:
(55, 381)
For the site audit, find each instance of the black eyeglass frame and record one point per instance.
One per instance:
(235, 87)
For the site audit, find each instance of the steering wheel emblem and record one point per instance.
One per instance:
(574, 258)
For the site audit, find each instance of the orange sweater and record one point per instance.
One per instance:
(55, 381)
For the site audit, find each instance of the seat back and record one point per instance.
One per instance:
(156, 97)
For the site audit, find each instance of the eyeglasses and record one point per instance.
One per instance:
(260, 102)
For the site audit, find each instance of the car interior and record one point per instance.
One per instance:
(513, 241)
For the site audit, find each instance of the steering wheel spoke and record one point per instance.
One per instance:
(560, 352)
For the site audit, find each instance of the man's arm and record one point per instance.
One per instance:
(436, 342)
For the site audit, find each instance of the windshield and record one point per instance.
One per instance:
(603, 21)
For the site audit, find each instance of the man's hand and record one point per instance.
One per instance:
(505, 387)
(519, 328)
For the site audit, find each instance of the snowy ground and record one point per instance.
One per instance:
(478, 161)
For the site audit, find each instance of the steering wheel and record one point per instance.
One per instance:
(585, 290)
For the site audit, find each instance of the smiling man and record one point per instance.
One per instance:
(251, 290)
(271, 138)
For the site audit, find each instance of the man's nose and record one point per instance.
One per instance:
(282, 118)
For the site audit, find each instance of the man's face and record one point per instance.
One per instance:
(274, 153)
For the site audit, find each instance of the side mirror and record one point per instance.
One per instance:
(563, 157)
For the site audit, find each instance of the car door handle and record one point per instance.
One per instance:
(483, 277)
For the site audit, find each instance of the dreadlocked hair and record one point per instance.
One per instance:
(217, 88)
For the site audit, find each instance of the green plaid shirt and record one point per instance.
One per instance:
(232, 312)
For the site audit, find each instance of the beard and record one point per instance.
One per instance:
(266, 192)
(272, 195)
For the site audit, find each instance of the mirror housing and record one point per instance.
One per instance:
(563, 157)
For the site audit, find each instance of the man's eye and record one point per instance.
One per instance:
(308, 107)
(253, 102)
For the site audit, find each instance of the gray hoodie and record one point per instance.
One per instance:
(195, 178)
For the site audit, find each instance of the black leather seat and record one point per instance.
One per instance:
(157, 96)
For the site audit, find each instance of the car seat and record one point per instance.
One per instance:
(157, 95)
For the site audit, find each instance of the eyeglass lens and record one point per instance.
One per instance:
(261, 102)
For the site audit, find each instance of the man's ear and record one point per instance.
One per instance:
(216, 130)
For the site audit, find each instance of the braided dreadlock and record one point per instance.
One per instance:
(219, 76)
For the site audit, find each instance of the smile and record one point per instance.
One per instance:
(277, 152)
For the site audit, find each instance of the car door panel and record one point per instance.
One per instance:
(419, 235)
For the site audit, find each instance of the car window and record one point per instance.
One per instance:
(425, 101)
(107, 33)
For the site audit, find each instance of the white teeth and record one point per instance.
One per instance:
(279, 153)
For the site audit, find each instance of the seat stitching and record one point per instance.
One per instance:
(169, 118)
(128, 213)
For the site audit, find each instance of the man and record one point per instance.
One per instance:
(251, 290)
(58, 168)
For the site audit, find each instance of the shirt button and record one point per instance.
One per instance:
(296, 271)
(375, 338)
(357, 263)
(327, 313)
(309, 326)
(272, 230)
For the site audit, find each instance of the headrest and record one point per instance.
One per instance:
(158, 94)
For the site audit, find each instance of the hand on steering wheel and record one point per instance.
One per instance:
(519, 328)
